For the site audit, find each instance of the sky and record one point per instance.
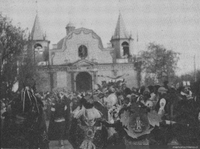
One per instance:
(175, 24)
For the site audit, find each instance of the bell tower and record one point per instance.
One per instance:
(39, 44)
(121, 41)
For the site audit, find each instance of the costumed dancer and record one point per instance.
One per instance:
(86, 131)
(133, 126)
(114, 137)
(29, 116)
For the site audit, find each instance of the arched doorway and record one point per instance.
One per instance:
(83, 82)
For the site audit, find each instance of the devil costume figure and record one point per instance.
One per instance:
(28, 127)
(86, 131)
(133, 127)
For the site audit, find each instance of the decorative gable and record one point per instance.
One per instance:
(83, 64)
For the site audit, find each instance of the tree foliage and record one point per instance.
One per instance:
(12, 42)
(188, 77)
(159, 63)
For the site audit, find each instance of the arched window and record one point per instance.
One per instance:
(125, 46)
(38, 48)
(82, 51)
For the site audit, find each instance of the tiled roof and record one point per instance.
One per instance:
(36, 33)
(60, 43)
(120, 30)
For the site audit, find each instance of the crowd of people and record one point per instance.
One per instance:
(106, 103)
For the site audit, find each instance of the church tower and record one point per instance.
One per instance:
(39, 45)
(69, 28)
(121, 41)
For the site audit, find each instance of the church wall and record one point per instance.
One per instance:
(116, 46)
(61, 79)
(69, 84)
(44, 77)
(66, 52)
(131, 79)
(127, 72)
(70, 54)
(103, 74)
(59, 58)
(131, 47)
(54, 80)
(94, 52)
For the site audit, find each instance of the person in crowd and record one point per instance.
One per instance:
(186, 93)
(74, 103)
(113, 107)
(3, 110)
(166, 85)
(134, 92)
(60, 112)
(162, 101)
(153, 96)
(126, 90)
(87, 108)
(144, 97)
(152, 93)
(120, 97)
(105, 103)
(6, 124)
(48, 105)
(100, 104)
(127, 101)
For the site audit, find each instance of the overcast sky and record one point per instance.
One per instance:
(172, 23)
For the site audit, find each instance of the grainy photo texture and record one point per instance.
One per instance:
(100, 74)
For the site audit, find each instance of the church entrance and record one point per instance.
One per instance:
(83, 82)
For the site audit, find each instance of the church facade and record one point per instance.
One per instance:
(79, 60)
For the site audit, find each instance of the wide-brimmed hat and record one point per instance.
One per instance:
(162, 90)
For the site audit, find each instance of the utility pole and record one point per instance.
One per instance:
(195, 72)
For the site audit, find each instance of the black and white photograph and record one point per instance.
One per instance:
(100, 74)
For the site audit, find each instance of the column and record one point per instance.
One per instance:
(72, 82)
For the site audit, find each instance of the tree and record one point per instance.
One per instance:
(12, 42)
(190, 76)
(159, 63)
